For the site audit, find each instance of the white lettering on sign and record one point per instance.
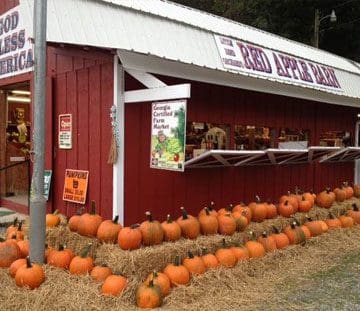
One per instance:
(248, 58)
(16, 51)
(65, 131)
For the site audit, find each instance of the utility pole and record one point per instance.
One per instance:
(316, 28)
(37, 200)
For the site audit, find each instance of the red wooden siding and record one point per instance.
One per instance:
(164, 192)
(83, 86)
(6, 5)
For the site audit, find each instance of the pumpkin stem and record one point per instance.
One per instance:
(207, 211)
(85, 251)
(257, 199)
(151, 283)
(15, 222)
(264, 234)
(355, 208)
(268, 201)
(296, 221)
(116, 219)
(331, 216)
(93, 208)
(204, 251)
(275, 230)
(230, 208)
(190, 254)
(177, 260)
(303, 198)
(328, 190)
(2, 240)
(211, 206)
(28, 262)
(252, 235)
(56, 212)
(184, 213)
(155, 275)
(168, 219)
(61, 247)
(134, 226)
(20, 226)
(223, 242)
(149, 216)
(286, 202)
(293, 225)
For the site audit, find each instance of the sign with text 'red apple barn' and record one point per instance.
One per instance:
(257, 61)
(75, 187)
(168, 125)
(65, 131)
(16, 50)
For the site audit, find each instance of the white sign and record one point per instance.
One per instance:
(251, 59)
(168, 126)
(16, 50)
(65, 131)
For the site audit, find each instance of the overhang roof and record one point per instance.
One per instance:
(167, 31)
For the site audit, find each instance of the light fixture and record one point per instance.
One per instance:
(358, 115)
(19, 99)
(333, 17)
(19, 92)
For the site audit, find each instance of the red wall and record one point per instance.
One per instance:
(164, 192)
(82, 84)
(6, 5)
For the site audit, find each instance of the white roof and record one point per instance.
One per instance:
(172, 32)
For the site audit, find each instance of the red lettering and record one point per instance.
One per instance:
(286, 63)
(246, 56)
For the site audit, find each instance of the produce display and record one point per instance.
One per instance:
(226, 221)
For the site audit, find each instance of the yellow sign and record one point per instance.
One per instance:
(75, 187)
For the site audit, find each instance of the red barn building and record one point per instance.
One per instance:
(287, 112)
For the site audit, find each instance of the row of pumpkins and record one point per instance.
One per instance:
(158, 284)
(224, 221)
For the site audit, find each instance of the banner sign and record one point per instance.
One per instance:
(75, 187)
(16, 50)
(168, 126)
(248, 58)
(47, 183)
(65, 131)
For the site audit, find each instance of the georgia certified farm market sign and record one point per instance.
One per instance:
(168, 135)
(65, 131)
(75, 187)
(251, 59)
(16, 52)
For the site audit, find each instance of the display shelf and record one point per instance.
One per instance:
(317, 152)
(343, 155)
(287, 156)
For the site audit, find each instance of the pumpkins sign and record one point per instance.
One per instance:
(75, 186)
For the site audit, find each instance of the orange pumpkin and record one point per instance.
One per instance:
(349, 190)
(209, 260)
(227, 224)
(113, 285)
(89, 222)
(74, 220)
(324, 226)
(281, 239)
(340, 194)
(190, 226)
(271, 211)
(29, 275)
(12, 228)
(160, 279)
(24, 247)
(208, 223)
(346, 221)
(355, 214)
(332, 222)
(305, 205)
(151, 231)
(258, 210)
(108, 230)
(255, 249)
(177, 273)
(325, 198)
(295, 234)
(211, 209)
(17, 234)
(149, 296)
(194, 264)
(9, 252)
(285, 209)
(52, 220)
(241, 253)
(100, 273)
(81, 265)
(306, 232)
(244, 210)
(14, 267)
(241, 220)
(356, 191)
(309, 196)
(315, 227)
(172, 230)
(130, 237)
(268, 242)
(59, 258)
(292, 200)
(226, 257)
